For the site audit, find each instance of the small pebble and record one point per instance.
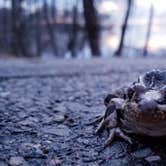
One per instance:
(15, 161)
(142, 153)
(153, 158)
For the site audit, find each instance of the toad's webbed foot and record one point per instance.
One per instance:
(109, 122)
(110, 119)
(119, 133)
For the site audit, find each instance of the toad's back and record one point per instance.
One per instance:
(150, 123)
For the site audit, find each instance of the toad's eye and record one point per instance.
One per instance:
(108, 98)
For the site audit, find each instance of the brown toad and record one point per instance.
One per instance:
(139, 108)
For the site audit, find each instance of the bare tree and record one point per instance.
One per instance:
(92, 26)
(149, 29)
(15, 25)
(19, 44)
(124, 28)
(74, 33)
(4, 26)
(38, 31)
(50, 28)
(53, 9)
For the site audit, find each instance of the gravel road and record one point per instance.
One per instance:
(46, 110)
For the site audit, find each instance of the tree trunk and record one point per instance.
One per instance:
(149, 29)
(73, 34)
(53, 9)
(92, 26)
(50, 28)
(38, 32)
(118, 52)
(18, 29)
(15, 26)
(4, 33)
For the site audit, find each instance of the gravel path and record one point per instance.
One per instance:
(46, 110)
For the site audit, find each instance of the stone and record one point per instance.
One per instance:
(74, 106)
(59, 118)
(16, 161)
(142, 153)
(22, 114)
(4, 94)
(119, 162)
(54, 161)
(60, 108)
(153, 158)
(59, 130)
(31, 150)
(29, 121)
(3, 163)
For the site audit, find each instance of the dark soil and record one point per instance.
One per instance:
(46, 110)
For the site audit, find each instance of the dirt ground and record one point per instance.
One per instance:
(46, 110)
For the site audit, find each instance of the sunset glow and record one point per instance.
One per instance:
(138, 23)
(156, 43)
(107, 7)
(111, 41)
(159, 5)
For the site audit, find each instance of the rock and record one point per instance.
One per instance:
(120, 162)
(3, 163)
(60, 130)
(142, 153)
(153, 158)
(29, 121)
(89, 130)
(31, 150)
(84, 141)
(22, 114)
(74, 106)
(59, 118)
(55, 161)
(16, 161)
(60, 108)
(89, 156)
(47, 119)
(4, 94)
(31, 145)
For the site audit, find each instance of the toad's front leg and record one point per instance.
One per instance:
(109, 120)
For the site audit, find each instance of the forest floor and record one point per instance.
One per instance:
(46, 110)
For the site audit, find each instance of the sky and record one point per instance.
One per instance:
(59, 3)
(106, 5)
(138, 22)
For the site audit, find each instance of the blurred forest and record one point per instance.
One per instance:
(75, 28)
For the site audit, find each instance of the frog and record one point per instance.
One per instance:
(138, 108)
